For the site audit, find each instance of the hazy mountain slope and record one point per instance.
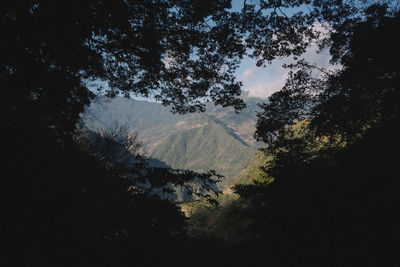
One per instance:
(208, 145)
(183, 141)
(150, 120)
(153, 122)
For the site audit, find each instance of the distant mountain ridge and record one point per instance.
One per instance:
(219, 139)
(210, 146)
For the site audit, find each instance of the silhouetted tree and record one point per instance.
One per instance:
(334, 142)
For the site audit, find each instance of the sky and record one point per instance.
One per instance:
(264, 81)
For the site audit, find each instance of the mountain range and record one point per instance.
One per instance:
(219, 139)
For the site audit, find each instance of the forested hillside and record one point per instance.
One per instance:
(253, 170)
(219, 140)
(209, 144)
(153, 122)
(225, 221)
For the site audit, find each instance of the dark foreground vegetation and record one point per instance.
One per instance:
(328, 190)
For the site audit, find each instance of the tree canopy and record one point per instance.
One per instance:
(179, 52)
(71, 203)
(346, 101)
(333, 142)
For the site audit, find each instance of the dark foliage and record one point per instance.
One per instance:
(65, 206)
(336, 191)
(361, 94)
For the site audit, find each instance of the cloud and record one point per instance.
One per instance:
(248, 73)
(264, 81)
(264, 89)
